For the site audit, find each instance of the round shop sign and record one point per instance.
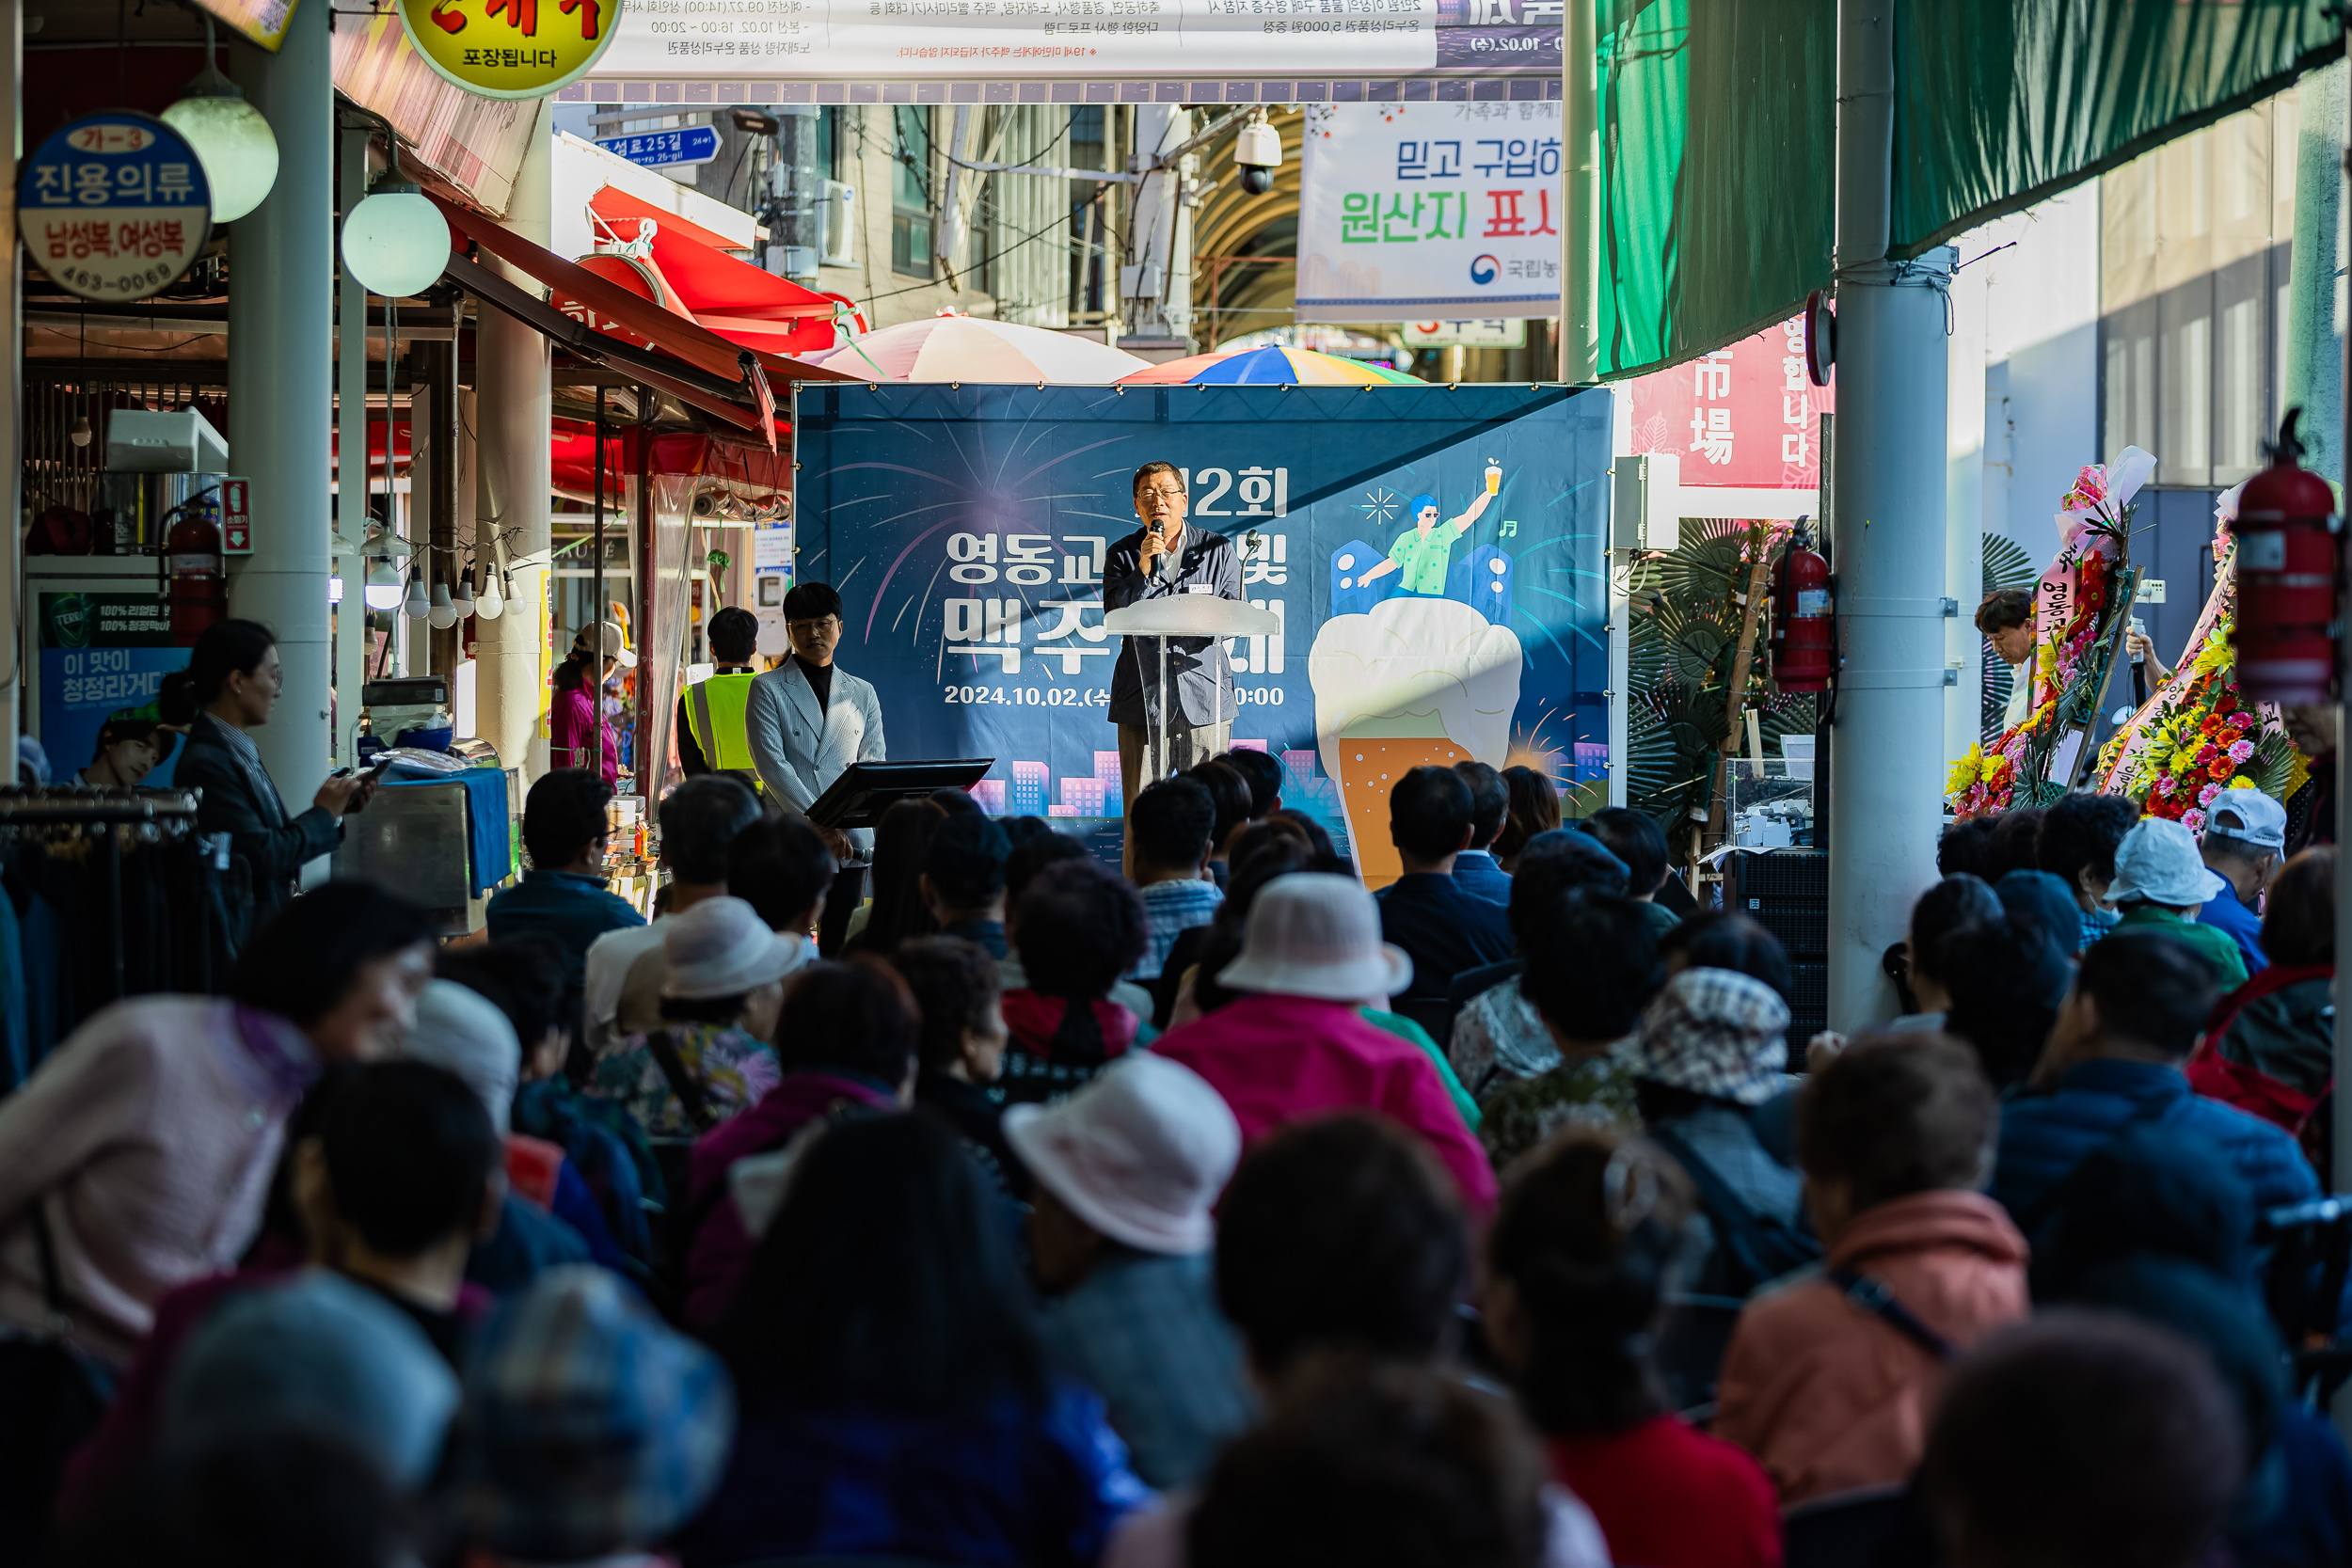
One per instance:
(511, 48)
(113, 207)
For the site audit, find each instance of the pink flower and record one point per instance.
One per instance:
(2164, 785)
(2240, 750)
(2204, 796)
(2193, 820)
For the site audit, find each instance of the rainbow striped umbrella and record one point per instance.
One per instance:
(1269, 366)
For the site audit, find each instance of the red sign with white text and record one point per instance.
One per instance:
(1744, 416)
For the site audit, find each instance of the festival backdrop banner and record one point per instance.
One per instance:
(967, 528)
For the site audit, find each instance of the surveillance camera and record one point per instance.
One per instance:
(1257, 153)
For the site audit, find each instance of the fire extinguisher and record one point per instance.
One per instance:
(2287, 530)
(200, 588)
(1800, 617)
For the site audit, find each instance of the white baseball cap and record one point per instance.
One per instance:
(2158, 861)
(1315, 934)
(721, 947)
(608, 639)
(2249, 815)
(1140, 1153)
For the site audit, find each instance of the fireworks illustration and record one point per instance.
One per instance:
(1381, 508)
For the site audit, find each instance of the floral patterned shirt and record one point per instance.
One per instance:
(734, 1069)
(1593, 1091)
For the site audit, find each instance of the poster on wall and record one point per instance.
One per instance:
(100, 655)
(1411, 208)
(1119, 51)
(1436, 558)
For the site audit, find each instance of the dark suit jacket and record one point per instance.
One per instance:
(1476, 872)
(267, 848)
(1207, 563)
(1444, 927)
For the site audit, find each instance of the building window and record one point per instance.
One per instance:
(911, 192)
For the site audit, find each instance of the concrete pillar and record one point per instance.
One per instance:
(11, 409)
(1887, 549)
(351, 467)
(511, 483)
(281, 276)
(1963, 507)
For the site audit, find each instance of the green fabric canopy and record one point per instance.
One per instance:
(1718, 122)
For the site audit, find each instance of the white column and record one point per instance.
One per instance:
(511, 480)
(1963, 505)
(281, 278)
(351, 466)
(1885, 763)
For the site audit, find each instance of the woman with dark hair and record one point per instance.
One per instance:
(1081, 927)
(573, 728)
(138, 1156)
(1582, 1254)
(894, 1390)
(238, 679)
(902, 840)
(2006, 980)
(1535, 809)
(1230, 792)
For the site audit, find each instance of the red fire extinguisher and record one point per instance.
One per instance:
(200, 589)
(2287, 530)
(1800, 617)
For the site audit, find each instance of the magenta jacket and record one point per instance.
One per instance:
(721, 1248)
(1276, 1059)
(572, 732)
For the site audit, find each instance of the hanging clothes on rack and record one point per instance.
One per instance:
(110, 892)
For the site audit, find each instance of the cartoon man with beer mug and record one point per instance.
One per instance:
(1424, 552)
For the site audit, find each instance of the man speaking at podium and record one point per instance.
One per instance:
(1162, 559)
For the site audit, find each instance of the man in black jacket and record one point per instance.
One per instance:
(238, 680)
(1165, 558)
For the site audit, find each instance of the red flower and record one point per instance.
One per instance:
(2221, 769)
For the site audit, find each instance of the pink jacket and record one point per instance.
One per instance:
(149, 1139)
(721, 1248)
(1276, 1059)
(572, 731)
(1829, 1396)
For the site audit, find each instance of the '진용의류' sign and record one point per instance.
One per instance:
(113, 206)
(511, 48)
(1413, 210)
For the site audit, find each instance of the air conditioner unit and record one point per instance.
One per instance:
(840, 225)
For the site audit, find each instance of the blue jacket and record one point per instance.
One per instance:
(1475, 871)
(1444, 927)
(568, 908)
(2044, 1137)
(2224, 910)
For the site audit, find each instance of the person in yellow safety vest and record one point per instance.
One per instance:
(710, 734)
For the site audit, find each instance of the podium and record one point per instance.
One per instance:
(1187, 616)
(867, 789)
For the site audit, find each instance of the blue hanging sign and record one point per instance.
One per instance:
(688, 144)
(113, 206)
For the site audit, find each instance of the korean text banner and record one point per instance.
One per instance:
(1414, 208)
(1435, 556)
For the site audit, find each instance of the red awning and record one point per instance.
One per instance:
(689, 267)
(753, 474)
(712, 375)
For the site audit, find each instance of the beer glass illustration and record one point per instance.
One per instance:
(1413, 683)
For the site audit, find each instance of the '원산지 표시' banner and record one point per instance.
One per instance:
(965, 529)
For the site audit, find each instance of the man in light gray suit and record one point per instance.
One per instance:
(808, 720)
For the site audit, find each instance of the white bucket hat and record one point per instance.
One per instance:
(2158, 861)
(1140, 1153)
(721, 947)
(1315, 934)
(460, 1030)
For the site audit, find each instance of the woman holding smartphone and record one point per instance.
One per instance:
(238, 681)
